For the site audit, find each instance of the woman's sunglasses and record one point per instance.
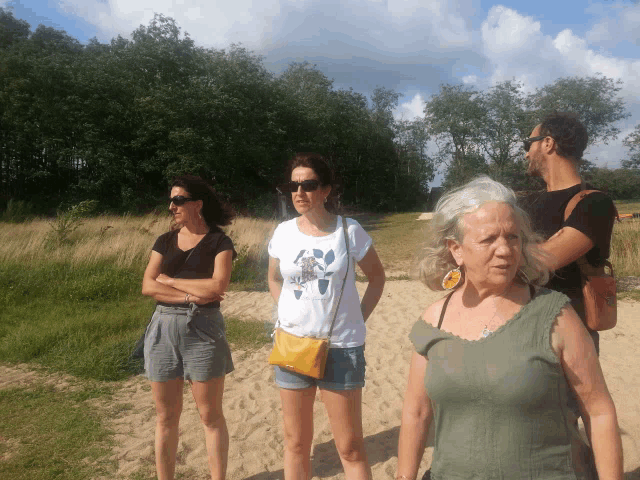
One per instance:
(529, 141)
(307, 186)
(179, 200)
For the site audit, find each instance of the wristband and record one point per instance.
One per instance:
(186, 298)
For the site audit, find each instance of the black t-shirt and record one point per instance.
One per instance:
(197, 262)
(593, 215)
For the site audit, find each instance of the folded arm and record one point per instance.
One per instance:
(566, 246)
(205, 287)
(165, 289)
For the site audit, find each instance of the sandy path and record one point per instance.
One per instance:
(252, 405)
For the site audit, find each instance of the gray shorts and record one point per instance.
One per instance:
(187, 342)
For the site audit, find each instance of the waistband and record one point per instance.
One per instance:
(189, 310)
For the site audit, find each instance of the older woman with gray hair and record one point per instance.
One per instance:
(499, 359)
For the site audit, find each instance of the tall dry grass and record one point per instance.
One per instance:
(625, 248)
(123, 241)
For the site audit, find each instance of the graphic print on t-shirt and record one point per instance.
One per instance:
(313, 273)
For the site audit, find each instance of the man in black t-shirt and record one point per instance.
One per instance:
(554, 151)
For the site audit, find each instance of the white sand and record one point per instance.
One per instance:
(252, 404)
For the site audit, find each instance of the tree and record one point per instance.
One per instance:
(632, 142)
(454, 119)
(594, 99)
(12, 29)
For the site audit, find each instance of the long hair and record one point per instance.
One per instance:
(215, 211)
(447, 224)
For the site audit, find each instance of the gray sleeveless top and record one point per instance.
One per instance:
(502, 403)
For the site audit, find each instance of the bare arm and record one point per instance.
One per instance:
(374, 271)
(566, 246)
(574, 347)
(274, 279)
(160, 292)
(213, 287)
(416, 418)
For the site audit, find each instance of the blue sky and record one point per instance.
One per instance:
(411, 46)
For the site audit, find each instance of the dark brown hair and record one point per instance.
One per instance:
(320, 166)
(568, 132)
(215, 211)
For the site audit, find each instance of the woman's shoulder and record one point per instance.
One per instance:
(431, 315)
(351, 222)
(169, 234)
(164, 240)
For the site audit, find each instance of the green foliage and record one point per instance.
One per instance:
(594, 99)
(632, 142)
(116, 121)
(250, 271)
(17, 211)
(68, 221)
(619, 183)
(481, 132)
(52, 434)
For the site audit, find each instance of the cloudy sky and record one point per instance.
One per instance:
(411, 46)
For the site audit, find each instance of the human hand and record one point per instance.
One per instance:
(202, 300)
(165, 280)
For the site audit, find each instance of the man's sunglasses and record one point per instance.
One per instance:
(179, 200)
(307, 186)
(529, 141)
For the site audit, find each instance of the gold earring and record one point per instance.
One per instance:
(452, 279)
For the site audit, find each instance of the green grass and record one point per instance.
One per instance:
(397, 239)
(628, 206)
(83, 320)
(47, 434)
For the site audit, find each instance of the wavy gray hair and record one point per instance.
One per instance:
(447, 224)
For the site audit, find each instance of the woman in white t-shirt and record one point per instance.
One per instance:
(307, 265)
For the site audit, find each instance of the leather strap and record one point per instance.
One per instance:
(582, 262)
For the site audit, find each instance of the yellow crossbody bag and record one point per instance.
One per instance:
(307, 355)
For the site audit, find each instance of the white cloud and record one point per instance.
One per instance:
(617, 25)
(410, 110)
(389, 25)
(470, 79)
(505, 31)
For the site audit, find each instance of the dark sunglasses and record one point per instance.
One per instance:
(307, 186)
(179, 200)
(529, 141)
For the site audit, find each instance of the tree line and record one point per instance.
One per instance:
(114, 122)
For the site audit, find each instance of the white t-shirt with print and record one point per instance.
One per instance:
(313, 270)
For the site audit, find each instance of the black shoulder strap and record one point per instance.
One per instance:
(444, 308)
(532, 292)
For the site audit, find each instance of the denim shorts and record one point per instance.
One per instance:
(344, 371)
(188, 342)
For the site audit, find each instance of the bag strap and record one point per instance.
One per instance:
(582, 262)
(576, 199)
(337, 305)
